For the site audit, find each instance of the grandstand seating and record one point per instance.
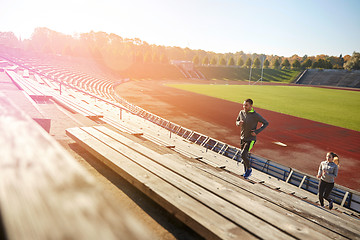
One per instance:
(37, 92)
(45, 194)
(187, 69)
(137, 121)
(32, 91)
(331, 77)
(282, 172)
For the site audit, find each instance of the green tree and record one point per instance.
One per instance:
(317, 64)
(139, 57)
(231, 61)
(276, 63)
(248, 63)
(354, 62)
(321, 63)
(307, 63)
(205, 60)
(296, 64)
(222, 61)
(240, 62)
(213, 60)
(147, 57)
(286, 63)
(328, 64)
(155, 58)
(196, 60)
(266, 63)
(164, 59)
(257, 63)
(304, 58)
(341, 61)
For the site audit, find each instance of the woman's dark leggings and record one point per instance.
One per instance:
(324, 191)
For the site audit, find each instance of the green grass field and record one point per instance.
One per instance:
(331, 106)
(235, 73)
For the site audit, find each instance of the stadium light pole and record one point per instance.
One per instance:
(262, 68)
(250, 68)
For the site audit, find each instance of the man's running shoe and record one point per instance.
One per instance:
(248, 173)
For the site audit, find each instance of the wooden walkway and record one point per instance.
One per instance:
(213, 202)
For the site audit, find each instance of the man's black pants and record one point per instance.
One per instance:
(246, 146)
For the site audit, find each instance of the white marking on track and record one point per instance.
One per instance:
(280, 144)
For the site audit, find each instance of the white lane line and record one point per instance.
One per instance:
(280, 144)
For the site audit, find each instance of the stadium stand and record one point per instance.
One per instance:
(331, 77)
(204, 176)
(272, 168)
(45, 194)
(187, 69)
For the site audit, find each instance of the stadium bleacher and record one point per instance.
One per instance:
(106, 87)
(278, 202)
(44, 193)
(331, 77)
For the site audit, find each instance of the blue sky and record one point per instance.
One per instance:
(276, 27)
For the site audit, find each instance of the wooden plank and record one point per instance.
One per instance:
(45, 194)
(196, 215)
(29, 86)
(271, 213)
(137, 134)
(40, 80)
(186, 148)
(347, 228)
(210, 198)
(51, 83)
(120, 126)
(166, 142)
(63, 100)
(23, 84)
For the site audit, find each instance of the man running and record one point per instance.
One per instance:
(248, 120)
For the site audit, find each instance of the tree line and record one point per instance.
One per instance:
(277, 62)
(117, 52)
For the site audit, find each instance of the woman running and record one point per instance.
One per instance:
(328, 171)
